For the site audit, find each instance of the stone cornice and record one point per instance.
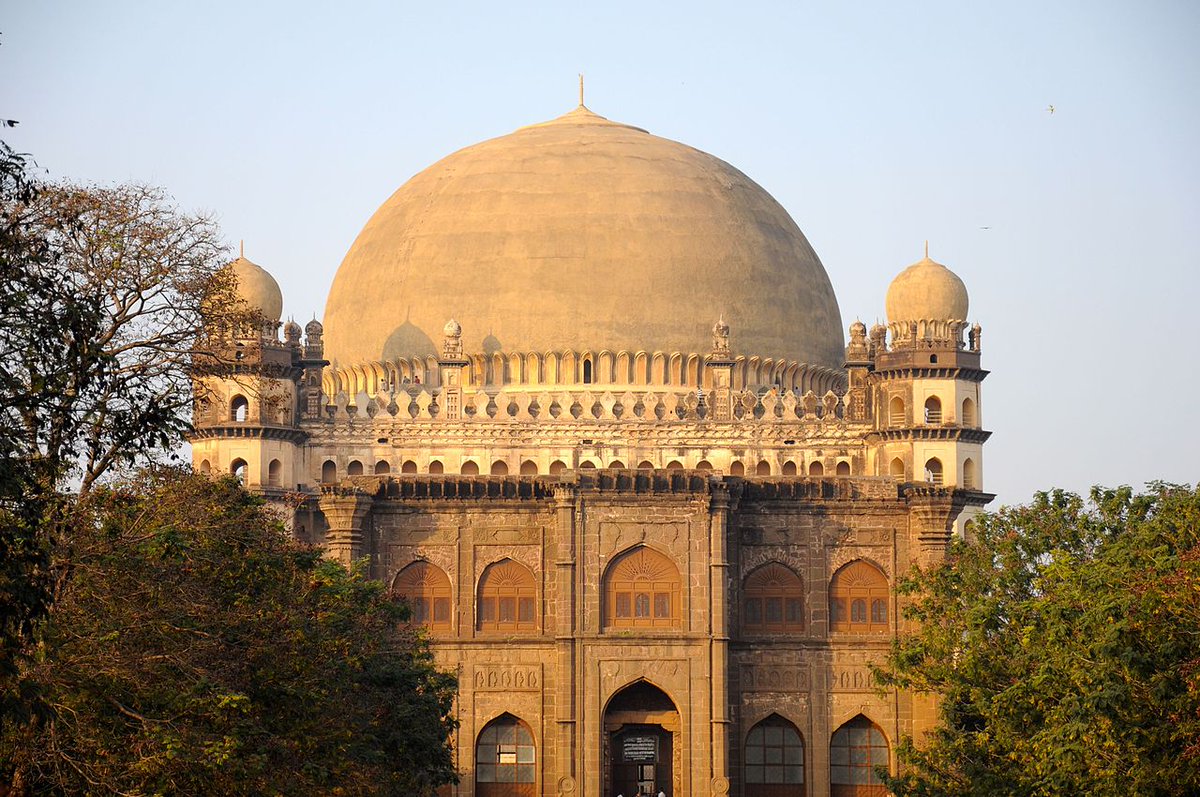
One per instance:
(930, 372)
(934, 433)
(286, 433)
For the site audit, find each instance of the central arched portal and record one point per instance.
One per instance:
(642, 745)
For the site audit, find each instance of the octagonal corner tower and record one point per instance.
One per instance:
(584, 234)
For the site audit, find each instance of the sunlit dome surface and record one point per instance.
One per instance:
(581, 233)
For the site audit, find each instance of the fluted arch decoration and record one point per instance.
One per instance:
(508, 601)
(427, 589)
(642, 590)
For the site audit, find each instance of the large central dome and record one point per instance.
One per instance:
(581, 233)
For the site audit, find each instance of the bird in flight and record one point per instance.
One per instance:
(985, 228)
(1050, 108)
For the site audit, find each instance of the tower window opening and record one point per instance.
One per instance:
(933, 470)
(355, 468)
(587, 372)
(933, 410)
(968, 412)
(896, 412)
(275, 473)
(970, 477)
(382, 467)
(239, 409)
(329, 472)
(816, 469)
(843, 468)
(897, 469)
(238, 469)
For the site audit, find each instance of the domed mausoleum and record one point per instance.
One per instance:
(581, 394)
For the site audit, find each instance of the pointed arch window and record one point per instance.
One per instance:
(968, 412)
(507, 598)
(641, 590)
(772, 601)
(505, 759)
(933, 410)
(896, 414)
(933, 471)
(970, 477)
(858, 599)
(427, 590)
(855, 750)
(774, 759)
(239, 409)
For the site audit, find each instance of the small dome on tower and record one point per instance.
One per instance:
(292, 332)
(453, 329)
(257, 288)
(313, 328)
(927, 291)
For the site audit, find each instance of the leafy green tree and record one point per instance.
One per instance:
(198, 650)
(1064, 643)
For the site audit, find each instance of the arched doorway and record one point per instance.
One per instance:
(642, 728)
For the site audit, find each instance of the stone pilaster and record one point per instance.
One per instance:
(565, 635)
(719, 577)
(346, 513)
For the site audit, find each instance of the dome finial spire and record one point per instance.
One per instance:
(926, 248)
(580, 89)
(242, 248)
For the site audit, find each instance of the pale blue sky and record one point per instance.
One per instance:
(877, 125)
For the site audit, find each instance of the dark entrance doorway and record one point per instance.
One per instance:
(641, 760)
(642, 737)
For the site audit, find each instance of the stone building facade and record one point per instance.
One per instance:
(658, 550)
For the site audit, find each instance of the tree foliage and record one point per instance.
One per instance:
(102, 296)
(1064, 641)
(197, 650)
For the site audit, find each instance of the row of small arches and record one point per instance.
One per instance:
(898, 412)
(566, 368)
(500, 467)
(934, 472)
(774, 758)
(642, 588)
